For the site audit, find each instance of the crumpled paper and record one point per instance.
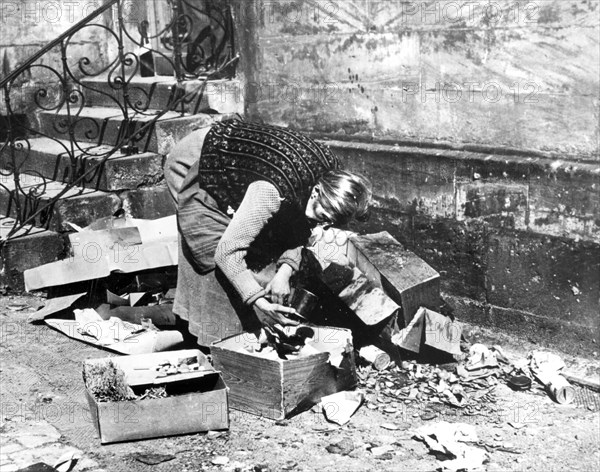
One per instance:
(448, 439)
(481, 362)
(545, 363)
(339, 407)
(546, 367)
(107, 332)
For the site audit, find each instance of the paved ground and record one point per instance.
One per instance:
(44, 415)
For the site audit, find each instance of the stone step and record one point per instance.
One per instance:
(148, 203)
(220, 96)
(52, 159)
(28, 248)
(105, 126)
(78, 205)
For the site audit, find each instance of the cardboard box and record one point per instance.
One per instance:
(199, 401)
(281, 388)
(404, 277)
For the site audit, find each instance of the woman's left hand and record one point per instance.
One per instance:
(278, 288)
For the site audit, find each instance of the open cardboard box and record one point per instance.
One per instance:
(279, 388)
(198, 401)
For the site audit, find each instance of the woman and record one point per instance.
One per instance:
(246, 206)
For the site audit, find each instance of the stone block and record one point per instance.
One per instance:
(51, 159)
(571, 338)
(220, 96)
(32, 248)
(550, 277)
(77, 205)
(405, 177)
(148, 202)
(566, 204)
(504, 203)
(169, 132)
(103, 125)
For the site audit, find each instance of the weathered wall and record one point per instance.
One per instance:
(519, 74)
(516, 241)
(477, 123)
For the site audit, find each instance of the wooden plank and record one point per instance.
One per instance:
(254, 382)
(55, 305)
(279, 388)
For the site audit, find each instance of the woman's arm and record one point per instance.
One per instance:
(260, 203)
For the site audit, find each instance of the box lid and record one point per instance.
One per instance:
(141, 369)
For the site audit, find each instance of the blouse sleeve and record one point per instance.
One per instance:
(291, 257)
(260, 203)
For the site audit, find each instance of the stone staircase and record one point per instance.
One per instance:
(127, 182)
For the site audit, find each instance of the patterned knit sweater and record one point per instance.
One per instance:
(262, 173)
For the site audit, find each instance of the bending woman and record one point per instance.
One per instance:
(248, 197)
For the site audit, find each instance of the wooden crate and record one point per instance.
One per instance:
(281, 388)
(203, 408)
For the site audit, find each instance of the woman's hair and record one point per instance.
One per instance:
(344, 196)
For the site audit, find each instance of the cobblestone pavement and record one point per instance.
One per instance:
(27, 440)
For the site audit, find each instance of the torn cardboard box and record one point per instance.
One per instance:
(138, 246)
(433, 329)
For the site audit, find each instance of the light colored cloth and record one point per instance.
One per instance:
(182, 158)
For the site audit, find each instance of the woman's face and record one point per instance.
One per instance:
(314, 210)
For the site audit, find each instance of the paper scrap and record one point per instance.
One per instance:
(54, 305)
(115, 334)
(339, 407)
(448, 439)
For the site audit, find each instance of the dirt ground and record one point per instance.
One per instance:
(523, 431)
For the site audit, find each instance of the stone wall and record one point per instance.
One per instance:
(505, 73)
(477, 123)
(516, 240)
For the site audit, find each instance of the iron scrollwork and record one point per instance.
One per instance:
(55, 86)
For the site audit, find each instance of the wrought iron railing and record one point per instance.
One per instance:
(194, 41)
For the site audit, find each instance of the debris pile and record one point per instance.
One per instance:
(423, 385)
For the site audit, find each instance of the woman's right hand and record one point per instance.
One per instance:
(275, 313)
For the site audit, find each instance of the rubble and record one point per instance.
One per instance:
(343, 447)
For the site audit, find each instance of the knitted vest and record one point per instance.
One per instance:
(237, 153)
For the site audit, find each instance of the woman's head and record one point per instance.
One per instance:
(339, 197)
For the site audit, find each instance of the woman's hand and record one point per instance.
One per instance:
(279, 287)
(275, 313)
